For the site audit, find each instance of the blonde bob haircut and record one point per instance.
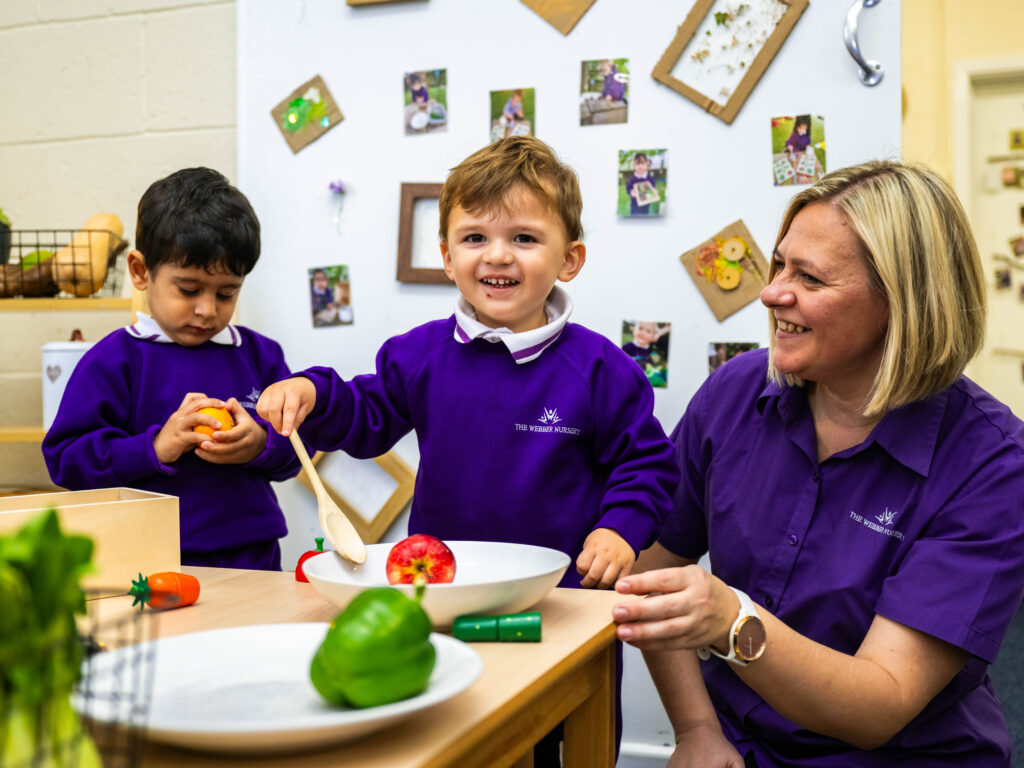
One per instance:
(486, 181)
(923, 259)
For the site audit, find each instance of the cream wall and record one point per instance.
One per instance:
(98, 99)
(937, 33)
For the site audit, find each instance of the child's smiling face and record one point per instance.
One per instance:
(505, 262)
(645, 333)
(641, 165)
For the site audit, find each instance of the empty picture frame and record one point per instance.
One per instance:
(409, 268)
(372, 498)
(698, 45)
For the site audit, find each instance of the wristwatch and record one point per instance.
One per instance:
(747, 637)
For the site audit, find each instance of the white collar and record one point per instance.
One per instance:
(525, 346)
(145, 328)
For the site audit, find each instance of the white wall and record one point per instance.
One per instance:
(717, 173)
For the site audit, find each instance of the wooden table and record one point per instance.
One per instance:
(524, 691)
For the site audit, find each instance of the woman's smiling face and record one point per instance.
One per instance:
(831, 318)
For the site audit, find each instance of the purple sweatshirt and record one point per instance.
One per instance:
(120, 395)
(537, 453)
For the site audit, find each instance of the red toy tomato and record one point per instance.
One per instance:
(165, 590)
(300, 575)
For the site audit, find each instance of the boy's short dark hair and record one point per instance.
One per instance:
(483, 181)
(196, 218)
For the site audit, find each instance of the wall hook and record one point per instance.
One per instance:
(871, 72)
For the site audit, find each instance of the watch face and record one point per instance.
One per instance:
(750, 639)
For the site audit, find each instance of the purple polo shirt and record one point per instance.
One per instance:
(922, 523)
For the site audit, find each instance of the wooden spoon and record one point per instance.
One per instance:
(337, 528)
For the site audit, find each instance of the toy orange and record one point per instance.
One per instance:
(221, 415)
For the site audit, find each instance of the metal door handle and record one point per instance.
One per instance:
(871, 72)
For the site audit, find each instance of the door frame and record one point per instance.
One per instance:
(967, 73)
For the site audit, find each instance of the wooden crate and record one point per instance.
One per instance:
(133, 531)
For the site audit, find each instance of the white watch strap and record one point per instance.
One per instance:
(747, 608)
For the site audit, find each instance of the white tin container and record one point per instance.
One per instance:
(59, 360)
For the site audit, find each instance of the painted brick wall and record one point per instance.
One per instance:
(98, 98)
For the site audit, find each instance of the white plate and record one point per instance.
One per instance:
(490, 577)
(247, 689)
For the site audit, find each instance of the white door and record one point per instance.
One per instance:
(995, 204)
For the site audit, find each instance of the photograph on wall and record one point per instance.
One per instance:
(646, 342)
(1017, 139)
(306, 114)
(723, 351)
(1003, 281)
(426, 101)
(798, 149)
(643, 175)
(330, 296)
(604, 91)
(512, 113)
(728, 269)
(1017, 246)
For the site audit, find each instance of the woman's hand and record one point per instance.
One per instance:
(238, 445)
(285, 404)
(686, 608)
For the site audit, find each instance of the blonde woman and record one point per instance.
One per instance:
(861, 502)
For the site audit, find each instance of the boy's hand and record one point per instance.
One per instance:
(176, 436)
(285, 404)
(243, 442)
(605, 558)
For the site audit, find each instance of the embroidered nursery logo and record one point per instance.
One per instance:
(253, 397)
(548, 422)
(550, 416)
(884, 524)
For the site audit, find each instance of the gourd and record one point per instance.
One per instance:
(80, 268)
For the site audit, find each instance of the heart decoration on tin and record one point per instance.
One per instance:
(53, 372)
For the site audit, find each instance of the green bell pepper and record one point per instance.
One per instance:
(376, 651)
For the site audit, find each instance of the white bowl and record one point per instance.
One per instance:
(490, 578)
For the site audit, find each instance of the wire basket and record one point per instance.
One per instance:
(111, 699)
(67, 263)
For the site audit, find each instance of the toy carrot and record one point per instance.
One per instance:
(164, 590)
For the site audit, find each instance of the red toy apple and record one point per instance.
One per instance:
(418, 556)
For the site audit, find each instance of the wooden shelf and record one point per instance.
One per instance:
(22, 434)
(71, 305)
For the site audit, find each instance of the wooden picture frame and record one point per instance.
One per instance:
(371, 530)
(686, 33)
(407, 272)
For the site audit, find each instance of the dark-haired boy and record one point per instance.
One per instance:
(127, 415)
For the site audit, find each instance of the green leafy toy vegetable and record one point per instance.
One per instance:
(35, 258)
(376, 651)
(40, 651)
